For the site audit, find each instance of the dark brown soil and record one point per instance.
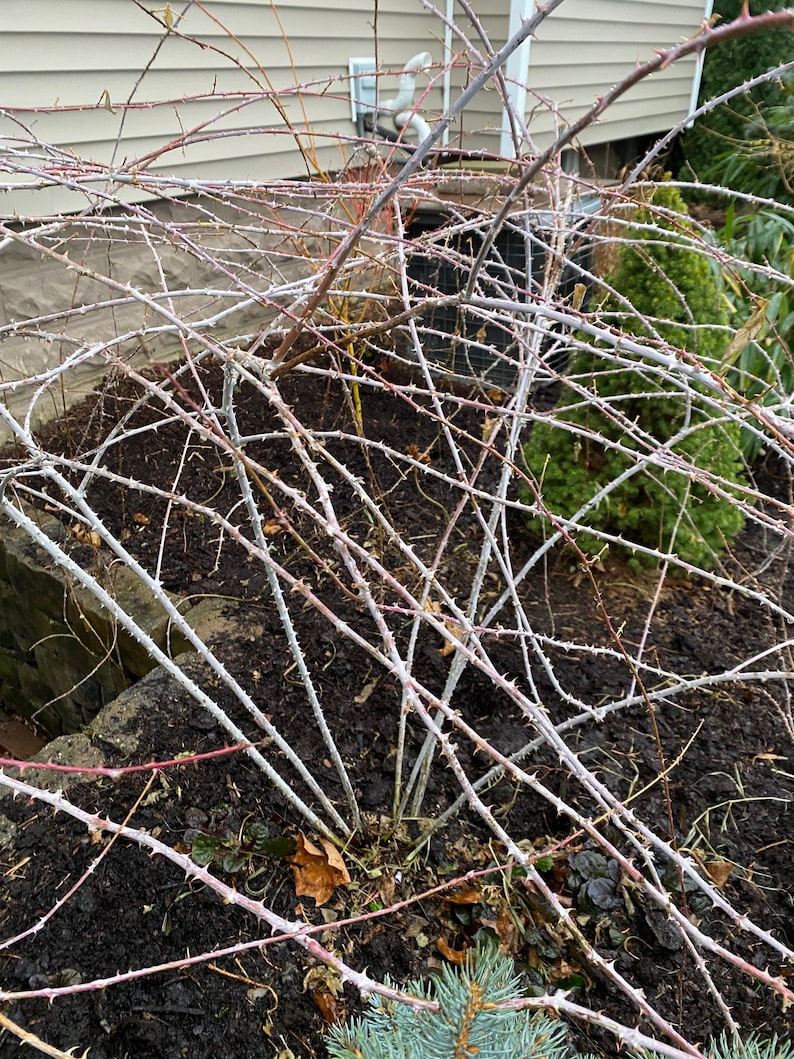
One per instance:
(731, 772)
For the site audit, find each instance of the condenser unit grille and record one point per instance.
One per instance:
(460, 339)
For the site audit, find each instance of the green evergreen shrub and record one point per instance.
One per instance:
(725, 66)
(755, 1047)
(666, 282)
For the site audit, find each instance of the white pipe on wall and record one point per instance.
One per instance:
(401, 107)
(410, 120)
(406, 86)
(447, 84)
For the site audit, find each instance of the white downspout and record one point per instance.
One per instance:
(406, 86)
(447, 83)
(516, 71)
(697, 77)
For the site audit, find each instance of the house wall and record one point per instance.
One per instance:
(252, 119)
(253, 124)
(264, 86)
(263, 100)
(478, 128)
(581, 50)
(584, 48)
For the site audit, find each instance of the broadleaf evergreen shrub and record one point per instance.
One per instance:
(573, 456)
(761, 162)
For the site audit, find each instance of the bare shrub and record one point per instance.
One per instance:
(255, 292)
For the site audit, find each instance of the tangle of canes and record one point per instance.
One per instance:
(378, 588)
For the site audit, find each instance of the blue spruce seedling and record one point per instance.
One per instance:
(754, 1047)
(470, 1023)
(466, 1024)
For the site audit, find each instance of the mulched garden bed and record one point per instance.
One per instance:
(731, 775)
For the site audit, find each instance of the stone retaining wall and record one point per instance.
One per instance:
(62, 657)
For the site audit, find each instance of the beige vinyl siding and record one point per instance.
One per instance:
(84, 53)
(585, 47)
(479, 127)
(580, 51)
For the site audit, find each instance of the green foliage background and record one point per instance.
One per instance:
(664, 280)
(764, 372)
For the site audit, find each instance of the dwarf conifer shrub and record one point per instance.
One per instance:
(470, 1023)
(466, 1024)
(755, 1047)
(638, 417)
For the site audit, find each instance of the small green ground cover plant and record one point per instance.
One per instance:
(668, 291)
(216, 839)
(469, 1022)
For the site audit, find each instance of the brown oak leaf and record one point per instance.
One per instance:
(317, 870)
(456, 956)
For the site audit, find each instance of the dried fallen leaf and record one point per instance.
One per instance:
(272, 528)
(453, 955)
(323, 979)
(464, 895)
(324, 986)
(104, 101)
(579, 292)
(432, 606)
(447, 649)
(416, 927)
(331, 1009)
(489, 425)
(85, 535)
(418, 455)
(365, 692)
(506, 928)
(718, 871)
(456, 632)
(317, 871)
